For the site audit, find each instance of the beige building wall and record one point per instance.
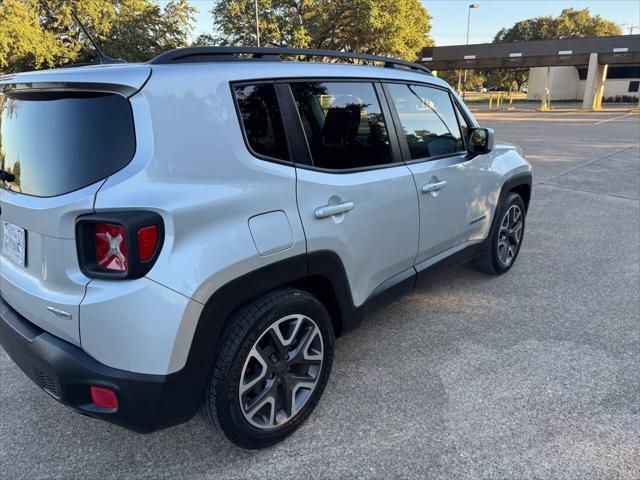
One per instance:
(563, 83)
(620, 87)
(613, 87)
(566, 84)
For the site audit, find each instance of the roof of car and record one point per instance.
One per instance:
(226, 54)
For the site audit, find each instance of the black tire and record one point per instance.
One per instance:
(247, 327)
(491, 259)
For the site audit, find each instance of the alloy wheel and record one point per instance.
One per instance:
(281, 371)
(510, 235)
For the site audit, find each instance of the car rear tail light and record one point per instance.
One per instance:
(147, 242)
(111, 247)
(119, 244)
(104, 398)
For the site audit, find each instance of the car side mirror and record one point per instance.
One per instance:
(480, 140)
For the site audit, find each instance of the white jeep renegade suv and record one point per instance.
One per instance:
(196, 231)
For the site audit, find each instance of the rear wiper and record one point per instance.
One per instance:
(7, 176)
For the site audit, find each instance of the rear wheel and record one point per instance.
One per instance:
(504, 241)
(273, 365)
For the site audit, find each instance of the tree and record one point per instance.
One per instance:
(38, 34)
(475, 79)
(571, 23)
(398, 28)
(24, 44)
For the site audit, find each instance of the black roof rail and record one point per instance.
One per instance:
(222, 54)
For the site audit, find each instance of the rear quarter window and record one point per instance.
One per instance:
(58, 142)
(261, 120)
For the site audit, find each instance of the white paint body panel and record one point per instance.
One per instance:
(138, 325)
(271, 232)
(51, 276)
(378, 238)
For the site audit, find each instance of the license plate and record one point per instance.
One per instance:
(14, 243)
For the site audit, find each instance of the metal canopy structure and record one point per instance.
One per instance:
(622, 49)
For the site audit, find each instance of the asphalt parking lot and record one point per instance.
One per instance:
(534, 374)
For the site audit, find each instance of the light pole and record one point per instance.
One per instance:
(257, 25)
(473, 5)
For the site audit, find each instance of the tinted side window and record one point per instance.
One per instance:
(343, 123)
(428, 120)
(261, 120)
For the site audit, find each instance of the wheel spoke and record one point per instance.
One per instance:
(267, 397)
(297, 322)
(290, 402)
(502, 250)
(517, 214)
(305, 351)
(302, 385)
(517, 229)
(256, 355)
(276, 339)
(296, 352)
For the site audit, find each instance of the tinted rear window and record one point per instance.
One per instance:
(55, 143)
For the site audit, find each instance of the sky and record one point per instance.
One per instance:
(450, 16)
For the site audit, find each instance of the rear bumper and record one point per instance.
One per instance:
(146, 402)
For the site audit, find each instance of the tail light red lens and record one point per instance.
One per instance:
(111, 247)
(120, 244)
(104, 398)
(147, 242)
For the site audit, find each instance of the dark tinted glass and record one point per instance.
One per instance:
(56, 143)
(464, 126)
(262, 120)
(344, 124)
(428, 120)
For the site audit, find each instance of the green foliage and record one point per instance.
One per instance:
(39, 34)
(571, 23)
(475, 79)
(398, 28)
(24, 44)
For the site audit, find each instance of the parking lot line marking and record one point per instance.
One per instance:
(575, 189)
(614, 118)
(577, 167)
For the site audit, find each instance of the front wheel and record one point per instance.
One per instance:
(504, 242)
(272, 367)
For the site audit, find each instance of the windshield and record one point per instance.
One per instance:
(57, 142)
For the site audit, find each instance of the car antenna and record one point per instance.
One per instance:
(102, 58)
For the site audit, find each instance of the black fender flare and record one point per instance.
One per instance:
(228, 298)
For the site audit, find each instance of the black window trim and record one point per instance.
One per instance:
(404, 145)
(290, 162)
(459, 112)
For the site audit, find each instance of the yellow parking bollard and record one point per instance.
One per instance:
(490, 101)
